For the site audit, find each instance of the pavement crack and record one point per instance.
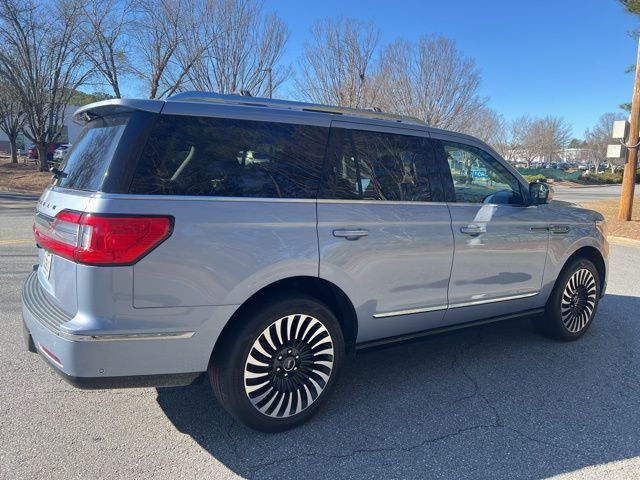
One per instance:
(544, 442)
(366, 451)
(498, 423)
(232, 441)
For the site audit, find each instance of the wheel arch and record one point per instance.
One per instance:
(594, 256)
(326, 292)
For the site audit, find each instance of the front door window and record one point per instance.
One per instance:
(479, 178)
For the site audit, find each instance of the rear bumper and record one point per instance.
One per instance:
(100, 383)
(141, 359)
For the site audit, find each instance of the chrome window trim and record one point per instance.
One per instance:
(412, 311)
(378, 202)
(198, 198)
(195, 198)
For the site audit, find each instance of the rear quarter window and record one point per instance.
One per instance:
(230, 158)
(87, 163)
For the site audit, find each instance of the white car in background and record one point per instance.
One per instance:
(60, 153)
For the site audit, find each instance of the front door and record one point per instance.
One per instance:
(383, 237)
(500, 242)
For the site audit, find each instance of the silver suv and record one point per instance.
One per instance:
(259, 241)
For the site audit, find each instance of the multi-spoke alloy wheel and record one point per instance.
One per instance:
(279, 361)
(578, 300)
(289, 365)
(573, 302)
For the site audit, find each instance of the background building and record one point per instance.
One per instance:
(70, 131)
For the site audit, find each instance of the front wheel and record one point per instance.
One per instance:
(274, 371)
(573, 302)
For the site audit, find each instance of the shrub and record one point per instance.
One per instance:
(535, 178)
(461, 178)
(605, 178)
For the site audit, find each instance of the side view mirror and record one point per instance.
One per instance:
(540, 193)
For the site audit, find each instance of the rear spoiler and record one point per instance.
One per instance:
(117, 105)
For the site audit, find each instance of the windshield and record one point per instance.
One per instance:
(87, 162)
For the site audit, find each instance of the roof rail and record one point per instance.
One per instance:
(234, 99)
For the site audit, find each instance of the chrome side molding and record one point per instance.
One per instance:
(119, 337)
(413, 311)
(493, 300)
(410, 311)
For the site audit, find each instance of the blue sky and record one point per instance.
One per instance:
(565, 57)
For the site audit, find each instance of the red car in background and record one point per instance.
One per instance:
(32, 151)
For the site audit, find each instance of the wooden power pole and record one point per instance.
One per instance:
(629, 178)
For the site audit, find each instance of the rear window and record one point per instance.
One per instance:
(230, 158)
(87, 163)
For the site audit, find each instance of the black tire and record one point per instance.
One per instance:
(281, 348)
(573, 302)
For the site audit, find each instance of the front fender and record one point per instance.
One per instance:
(563, 246)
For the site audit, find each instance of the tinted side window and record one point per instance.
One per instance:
(478, 177)
(231, 158)
(376, 166)
(89, 159)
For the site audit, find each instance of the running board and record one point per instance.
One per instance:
(434, 331)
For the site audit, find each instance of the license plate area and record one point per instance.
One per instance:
(46, 264)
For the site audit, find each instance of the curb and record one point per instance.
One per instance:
(627, 242)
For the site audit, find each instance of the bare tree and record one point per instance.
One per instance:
(107, 26)
(517, 146)
(11, 117)
(599, 136)
(337, 67)
(42, 59)
(488, 126)
(245, 49)
(172, 36)
(547, 137)
(432, 81)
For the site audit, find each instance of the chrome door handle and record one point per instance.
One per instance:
(350, 234)
(473, 229)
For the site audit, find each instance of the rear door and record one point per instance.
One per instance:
(500, 242)
(385, 238)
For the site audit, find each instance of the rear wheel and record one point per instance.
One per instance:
(573, 302)
(276, 369)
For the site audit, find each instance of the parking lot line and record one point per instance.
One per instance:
(16, 241)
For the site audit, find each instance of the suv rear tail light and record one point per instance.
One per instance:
(101, 239)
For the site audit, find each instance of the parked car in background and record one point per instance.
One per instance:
(32, 151)
(258, 241)
(60, 153)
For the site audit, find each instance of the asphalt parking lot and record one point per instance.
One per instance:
(497, 401)
(588, 193)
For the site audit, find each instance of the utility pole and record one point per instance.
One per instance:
(629, 178)
(270, 82)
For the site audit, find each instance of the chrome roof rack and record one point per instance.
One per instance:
(245, 100)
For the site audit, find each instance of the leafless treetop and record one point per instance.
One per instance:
(338, 66)
(42, 59)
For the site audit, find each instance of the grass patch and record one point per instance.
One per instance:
(616, 227)
(22, 177)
